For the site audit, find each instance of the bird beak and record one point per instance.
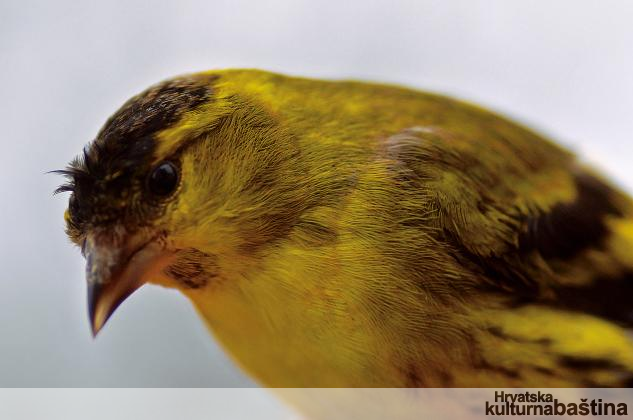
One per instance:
(117, 264)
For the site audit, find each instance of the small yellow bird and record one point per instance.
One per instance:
(348, 234)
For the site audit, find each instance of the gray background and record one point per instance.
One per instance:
(564, 67)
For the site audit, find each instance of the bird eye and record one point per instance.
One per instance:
(164, 179)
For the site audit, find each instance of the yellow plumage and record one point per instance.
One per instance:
(361, 235)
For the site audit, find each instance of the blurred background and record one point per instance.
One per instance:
(563, 67)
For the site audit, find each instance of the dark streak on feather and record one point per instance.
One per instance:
(607, 297)
(544, 370)
(499, 333)
(562, 233)
(193, 268)
(497, 274)
(413, 378)
(586, 363)
(569, 228)
(510, 373)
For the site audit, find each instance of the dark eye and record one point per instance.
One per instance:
(164, 179)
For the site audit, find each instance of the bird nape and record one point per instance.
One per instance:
(348, 234)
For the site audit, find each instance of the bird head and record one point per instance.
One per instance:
(182, 178)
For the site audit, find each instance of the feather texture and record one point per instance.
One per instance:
(355, 234)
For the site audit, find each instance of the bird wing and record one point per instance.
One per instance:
(524, 214)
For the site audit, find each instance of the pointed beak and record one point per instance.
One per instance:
(117, 264)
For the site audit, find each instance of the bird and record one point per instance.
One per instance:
(354, 234)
